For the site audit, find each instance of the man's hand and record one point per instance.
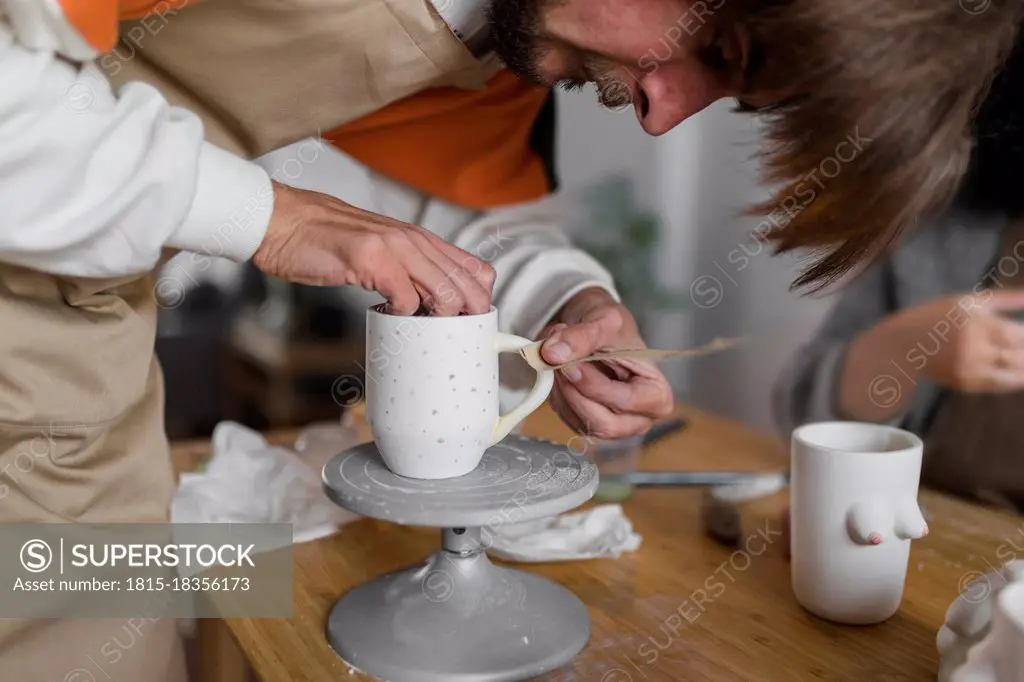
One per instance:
(610, 399)
(318, 240)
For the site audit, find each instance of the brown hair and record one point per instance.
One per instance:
(895, 85)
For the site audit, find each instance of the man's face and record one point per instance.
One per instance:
(668, 58)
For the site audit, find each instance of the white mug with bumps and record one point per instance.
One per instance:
(853, 514)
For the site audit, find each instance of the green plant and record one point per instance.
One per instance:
(625, 238)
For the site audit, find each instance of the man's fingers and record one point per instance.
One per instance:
(474, 299)
(477, 299)
(554, 329)
(639, 396)
(399, 291)
(602, 422)
(478, 270)
(563, 409)
(445, 299)
(583, 339)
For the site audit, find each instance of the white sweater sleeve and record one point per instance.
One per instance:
(95, 184)
(538, 268)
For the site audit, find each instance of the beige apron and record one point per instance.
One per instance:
(81, 439)
(264, 73)
(81, 404)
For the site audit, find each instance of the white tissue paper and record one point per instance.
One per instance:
(250, 481)
(599, 532)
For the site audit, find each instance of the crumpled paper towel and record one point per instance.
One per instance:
(599, 532)
(250, 481)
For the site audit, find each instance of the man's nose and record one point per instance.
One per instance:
(664, 99)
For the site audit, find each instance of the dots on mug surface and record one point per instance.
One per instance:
(478, 364)
(472, 390)
(451, 376)
(392, 400)
(433, 412)
(440, 440)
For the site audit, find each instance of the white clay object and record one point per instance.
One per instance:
(853, 513)
(969, 618)
(432, 390)
(999, 657)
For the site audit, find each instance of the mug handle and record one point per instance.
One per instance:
(509, 343)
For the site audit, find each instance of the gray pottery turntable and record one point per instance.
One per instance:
(458, 617)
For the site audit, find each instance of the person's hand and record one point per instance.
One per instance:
(965, 342)
(315, 239)
(608, 399)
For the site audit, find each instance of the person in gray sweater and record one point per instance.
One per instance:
(925, 339)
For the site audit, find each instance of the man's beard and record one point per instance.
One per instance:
(515, 25)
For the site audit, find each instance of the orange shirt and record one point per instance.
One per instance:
(472, 148)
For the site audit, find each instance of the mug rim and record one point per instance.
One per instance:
(913, 445)
(377, 309)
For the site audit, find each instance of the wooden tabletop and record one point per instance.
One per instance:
(682, 607)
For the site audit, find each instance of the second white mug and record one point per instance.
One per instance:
(853, 513)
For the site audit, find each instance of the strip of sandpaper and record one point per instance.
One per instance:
(532, 356)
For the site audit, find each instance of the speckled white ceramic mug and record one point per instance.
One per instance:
(432, 390)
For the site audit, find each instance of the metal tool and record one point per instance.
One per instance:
(690, 478)
(663, 429)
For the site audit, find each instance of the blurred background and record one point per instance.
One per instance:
(664, 214)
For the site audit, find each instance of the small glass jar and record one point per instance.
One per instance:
(614, 457)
